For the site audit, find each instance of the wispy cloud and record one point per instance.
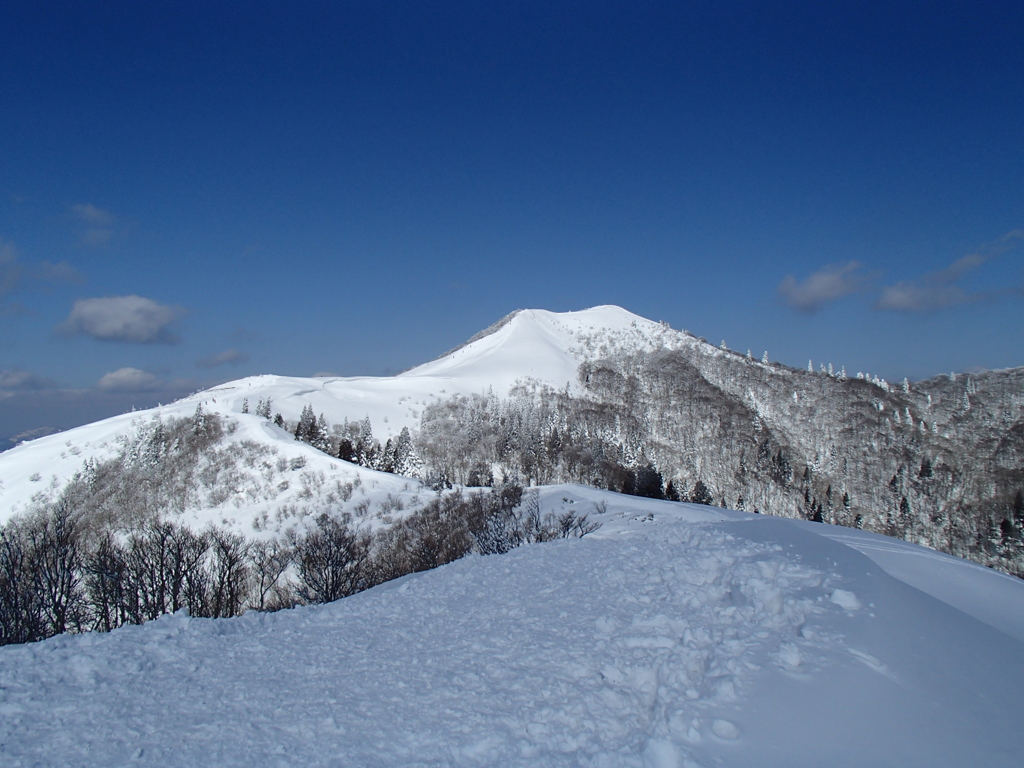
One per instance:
(942, 289)
(928, 293)
(227, 357)
(134, 319)
(828, 284)
(96, 237)
(16, 380)
(61, 272)
(97, 224)
(129, 380)
(33, 406)
(17, 276)
(91, 214)
(11, 269)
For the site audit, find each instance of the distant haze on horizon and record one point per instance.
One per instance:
(191, 193)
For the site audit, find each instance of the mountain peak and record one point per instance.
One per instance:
(603, 316)
(542, 345)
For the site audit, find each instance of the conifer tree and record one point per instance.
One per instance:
(306, 429)
(701, 494)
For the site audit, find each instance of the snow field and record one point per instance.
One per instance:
(673, 636)
(264, 480)
(600, 654)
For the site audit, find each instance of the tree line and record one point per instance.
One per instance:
(60, 572)
(938, 463)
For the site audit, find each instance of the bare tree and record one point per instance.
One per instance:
(331, 561)
(269, 560)
(229, 573)
(56, 556)
(104, 570)
(21, 609)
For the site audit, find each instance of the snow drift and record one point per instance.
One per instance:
(677, 635)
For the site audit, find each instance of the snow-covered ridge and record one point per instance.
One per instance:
(527, 346)
(677, 636)
(482, 334)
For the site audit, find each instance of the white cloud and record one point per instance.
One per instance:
(90, 214)
(128, 380)
(227, 357)
(97, 223)
(123, 318)
(942, 289)
(10, 268)
(822, 287)
(925, 295)
(22, 381)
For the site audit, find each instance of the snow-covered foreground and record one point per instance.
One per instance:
(676, 635)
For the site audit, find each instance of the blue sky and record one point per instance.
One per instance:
(193, 192)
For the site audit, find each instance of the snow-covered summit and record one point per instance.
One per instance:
(541, 345)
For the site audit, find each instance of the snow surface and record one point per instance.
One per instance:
(291, 476)
(677, 635)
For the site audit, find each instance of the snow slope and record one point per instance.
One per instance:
(532, 345)
(275, 481)
(676, 635)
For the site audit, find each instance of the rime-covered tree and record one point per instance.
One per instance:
(307, 430)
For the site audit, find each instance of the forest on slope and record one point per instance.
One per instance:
(938, 462)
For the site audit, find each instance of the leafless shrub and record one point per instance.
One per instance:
(330, 561)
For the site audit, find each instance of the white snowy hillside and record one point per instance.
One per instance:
(542, 346)
(676, 635)
(527, 346)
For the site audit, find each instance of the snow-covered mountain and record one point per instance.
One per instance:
(677, 635)
(527, 346)
(601, 397)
